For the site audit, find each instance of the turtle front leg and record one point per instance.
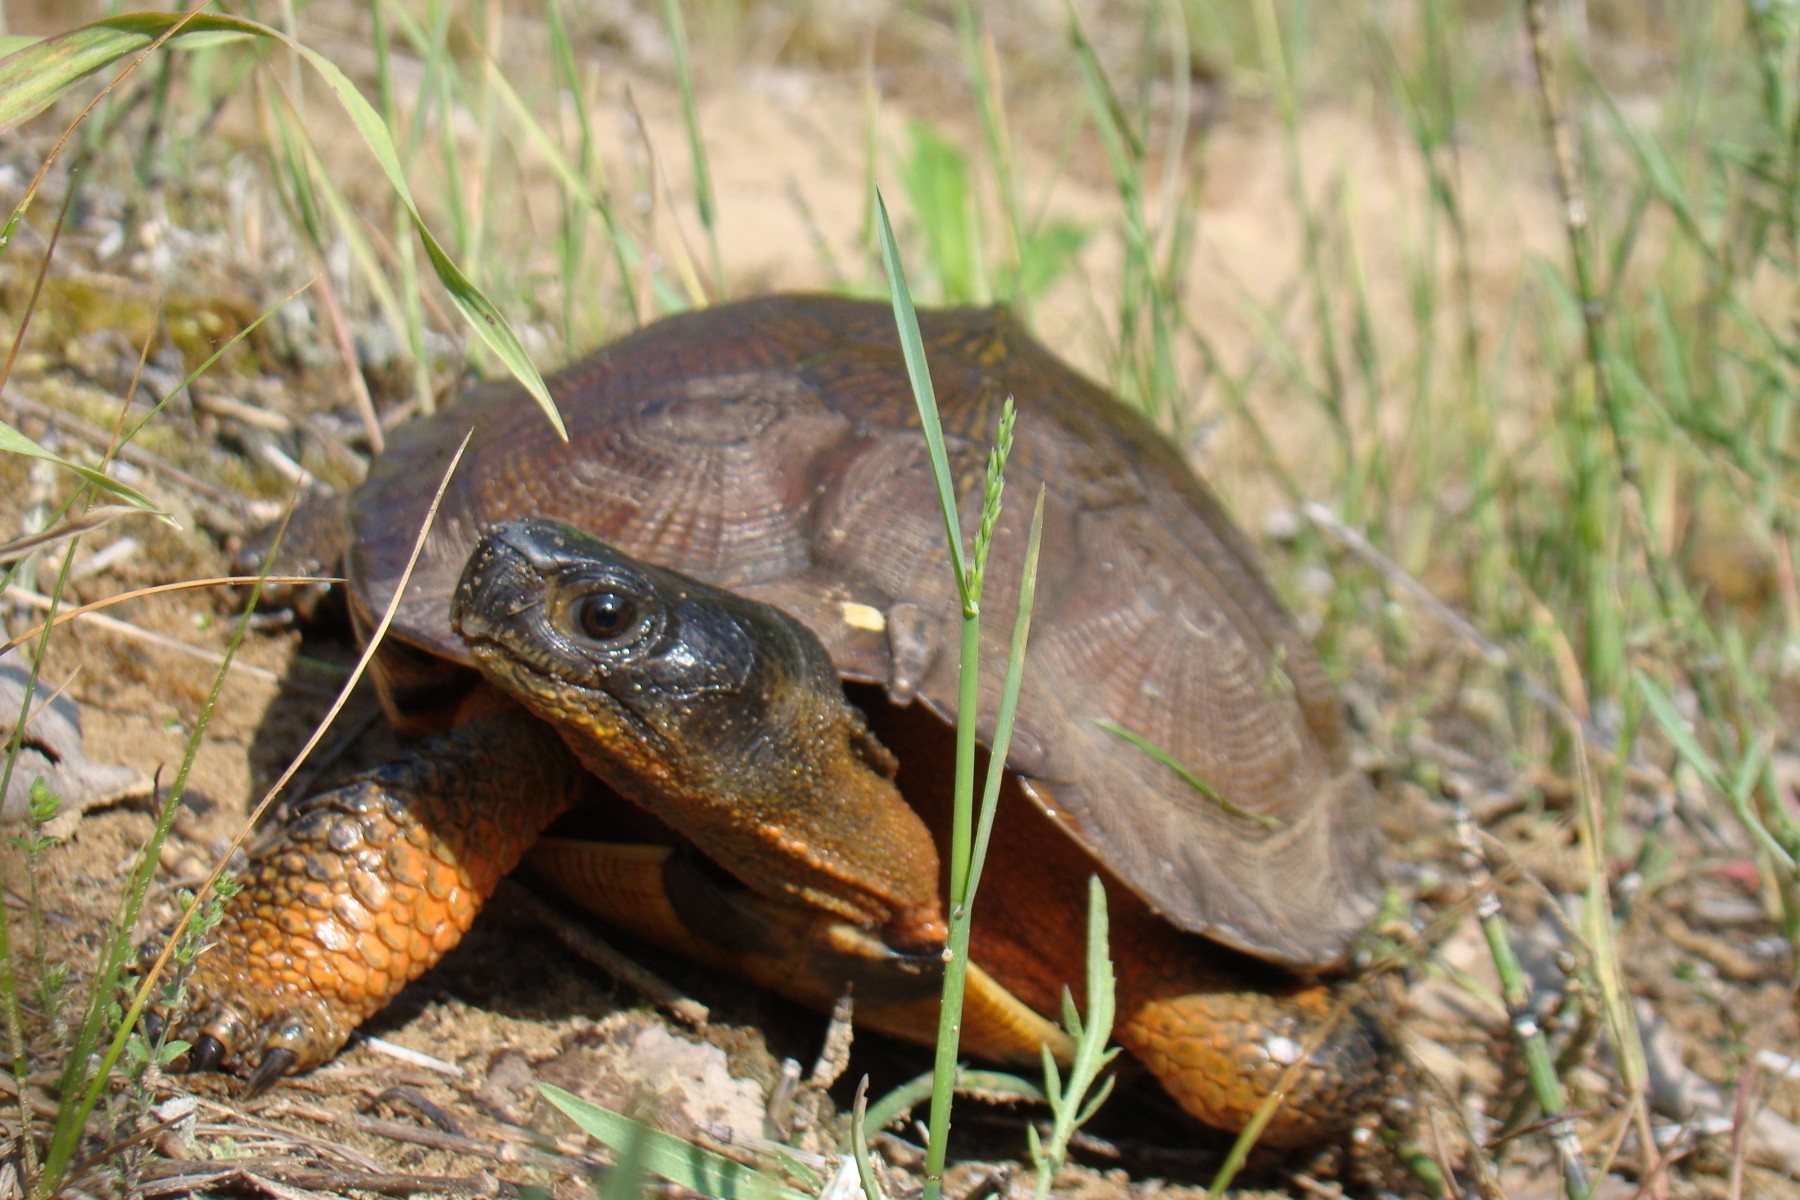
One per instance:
(365, 887)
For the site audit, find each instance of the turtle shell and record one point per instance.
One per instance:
(773, 447)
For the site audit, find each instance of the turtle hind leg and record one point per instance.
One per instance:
(1221, 1054)
(365, 887)
(1342, 1077)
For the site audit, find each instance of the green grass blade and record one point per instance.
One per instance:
(859, 1143)
(981, 65)
(690, 115)
(480, 312)
(668, 1157)
(626, 1180)
(1675, 728)
(33, 77)
(914, 1092)
(1663, 710)
(36, 71)
(14, 442)
(313, 187)
(1009, 700)
(575, 185)
(938, 186)
(1188, 777)
(83, 1078)
(966, 575)
(912, 346)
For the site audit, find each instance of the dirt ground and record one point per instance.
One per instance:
(513, 1006)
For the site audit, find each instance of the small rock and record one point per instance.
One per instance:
(510, 1087)
(52, 752)
(641, 1067)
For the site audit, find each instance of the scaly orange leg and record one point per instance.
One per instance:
(1221, 1054)
(367, 886)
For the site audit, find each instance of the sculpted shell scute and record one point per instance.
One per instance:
(773, 448)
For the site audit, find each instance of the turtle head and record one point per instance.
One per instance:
(641, 669)
(720, 714)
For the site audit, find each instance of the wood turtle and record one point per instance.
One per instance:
(732, 606)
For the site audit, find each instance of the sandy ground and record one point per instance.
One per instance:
(513, 1006)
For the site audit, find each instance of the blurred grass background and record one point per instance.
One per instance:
(1327, 246)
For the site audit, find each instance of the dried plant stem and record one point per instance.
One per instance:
(346, 345)
(586, 944)
(318, 735)
(184, 585)
(1577, 220)
(82, 1078)
(1491, 652)
(1601, 933)
(151, 637)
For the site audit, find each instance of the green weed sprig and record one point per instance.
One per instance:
(968, 843)
(1074, 1102)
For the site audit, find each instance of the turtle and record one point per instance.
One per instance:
(745, 499)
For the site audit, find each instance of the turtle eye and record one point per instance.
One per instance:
(605, 616)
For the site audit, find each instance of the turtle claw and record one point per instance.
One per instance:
(222, 1039)
(276, 1062)
(206, 1053)
(260, 1041)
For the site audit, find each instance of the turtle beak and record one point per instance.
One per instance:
(507, 576)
